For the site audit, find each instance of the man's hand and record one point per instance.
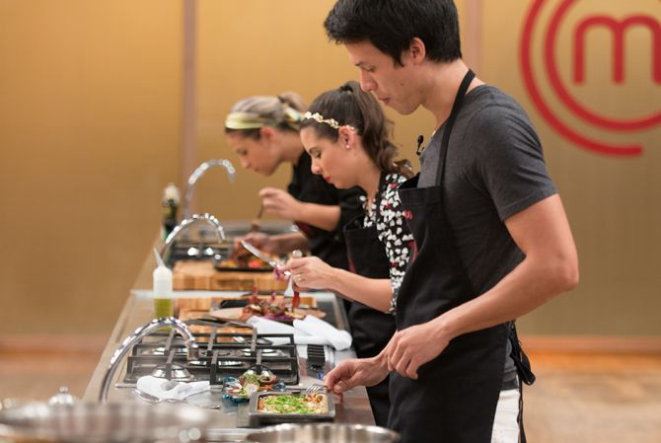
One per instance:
(356, 372)
(412, 347)
(280, 203)
(310, 273)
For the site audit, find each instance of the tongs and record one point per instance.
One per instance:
(290, 292)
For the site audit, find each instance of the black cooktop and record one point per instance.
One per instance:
(221, 355)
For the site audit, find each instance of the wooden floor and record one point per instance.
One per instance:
(578, 398)
(24, 376)
(594, 398)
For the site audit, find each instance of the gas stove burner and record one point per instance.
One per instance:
(265, 352)
(161, 351)
(198, 363)
(230, 363)
(219, 357)
(177, 372)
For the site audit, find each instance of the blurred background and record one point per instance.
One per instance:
(106, 102)
(103, 103)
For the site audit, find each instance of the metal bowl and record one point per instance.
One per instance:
(107, 423)
(323, 433)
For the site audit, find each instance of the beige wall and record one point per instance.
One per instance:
(613, 203)
(278, 46)
(90, 128)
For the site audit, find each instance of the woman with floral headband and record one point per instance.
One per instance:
(263, 132)
(346, 133)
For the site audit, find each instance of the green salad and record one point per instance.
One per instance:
(293, 404)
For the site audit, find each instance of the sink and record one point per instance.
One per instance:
(202, 244)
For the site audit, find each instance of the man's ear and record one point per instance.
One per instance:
(417, 51)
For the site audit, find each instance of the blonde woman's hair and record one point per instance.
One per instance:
(250, 114)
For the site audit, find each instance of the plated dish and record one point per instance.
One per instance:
(293, 404)
(275, 308)
(240, 389)
(243, 261)
(288, 407)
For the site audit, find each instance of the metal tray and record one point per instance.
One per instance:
(258, 417)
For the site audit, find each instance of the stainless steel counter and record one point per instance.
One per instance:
(229, 418)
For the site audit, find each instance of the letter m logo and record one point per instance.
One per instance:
(618, 29)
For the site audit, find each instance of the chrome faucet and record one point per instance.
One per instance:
(206, 218)
(142, 331)
(199, 172)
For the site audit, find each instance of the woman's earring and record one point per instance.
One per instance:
(347, 146)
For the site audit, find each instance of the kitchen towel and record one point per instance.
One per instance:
(305, 332)
(340, 340)
(158, 387)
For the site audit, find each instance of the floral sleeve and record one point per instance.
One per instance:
(392, 231)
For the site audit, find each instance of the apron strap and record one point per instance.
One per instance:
(456, 106)
(521, 360)
(524, 370)
(519, 418)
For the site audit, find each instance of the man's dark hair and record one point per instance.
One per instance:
(391, 25)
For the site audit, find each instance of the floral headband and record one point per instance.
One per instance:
(329, 121)
(320, 119)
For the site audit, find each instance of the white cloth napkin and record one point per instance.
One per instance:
(314, 326)
(156, 388)
(305, 332)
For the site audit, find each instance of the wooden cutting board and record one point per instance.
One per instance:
(198, 307)
(201, 275)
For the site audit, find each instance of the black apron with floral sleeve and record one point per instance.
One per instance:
(455, 396)
(371, 329)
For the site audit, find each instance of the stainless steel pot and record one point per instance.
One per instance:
(323, 433)
(103, 423)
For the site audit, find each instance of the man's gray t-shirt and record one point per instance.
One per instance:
(494, 170)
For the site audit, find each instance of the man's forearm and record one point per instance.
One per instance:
(550, 267)
(528, 286)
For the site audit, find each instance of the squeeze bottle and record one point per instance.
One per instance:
(162, 289)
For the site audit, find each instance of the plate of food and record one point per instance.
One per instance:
(275, 308)
(281, 407)
(241, 260)
(240, 389)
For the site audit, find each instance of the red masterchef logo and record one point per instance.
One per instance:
(617, 27)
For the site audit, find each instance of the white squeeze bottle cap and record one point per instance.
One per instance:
(162, 279)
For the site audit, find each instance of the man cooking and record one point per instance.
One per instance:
(492, 238)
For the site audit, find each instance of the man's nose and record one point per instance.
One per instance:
(367, 82)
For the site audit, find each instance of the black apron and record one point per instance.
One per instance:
(371, 329)
(455, 396)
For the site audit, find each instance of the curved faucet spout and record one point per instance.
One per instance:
(203, 218)
(199, 172)
(142, 331)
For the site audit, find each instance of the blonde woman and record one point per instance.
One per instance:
(264, 132)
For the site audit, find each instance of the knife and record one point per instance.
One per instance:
(259, 254)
